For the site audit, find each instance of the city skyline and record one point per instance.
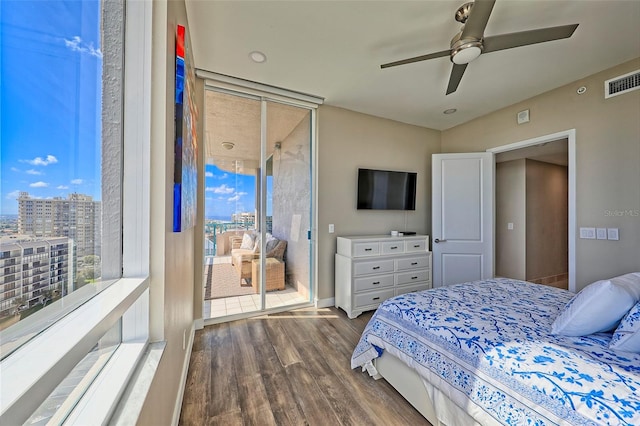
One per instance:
(50, 132)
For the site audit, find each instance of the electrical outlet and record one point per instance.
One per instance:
(612, 234)
(510, 226)
(588, 233)
(332, 228)
(601, 233)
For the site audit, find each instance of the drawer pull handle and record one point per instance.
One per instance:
(416, 246)
(414, 278)
(368, 249)
(376, 298)
(394, 247)
(375, 267)
(376, 283)
(414, 263)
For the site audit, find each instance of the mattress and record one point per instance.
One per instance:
(488, 344)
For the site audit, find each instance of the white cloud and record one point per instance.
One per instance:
(222, 189)
(77, 45)
(208, 174)
(76, 181)
(39, 161)
(33, 172)
(62, 187)
(13, 195)
(15, 169)
(234, 198)
(39, 184)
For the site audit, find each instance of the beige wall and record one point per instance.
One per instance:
(607, 161)
(348, 140)
(172, 254)
(511, 208)
(547, 219)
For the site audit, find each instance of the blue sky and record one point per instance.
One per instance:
(50, 91)
(50, 74)
(228, 193)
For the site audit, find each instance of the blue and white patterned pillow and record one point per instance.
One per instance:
(627, 336)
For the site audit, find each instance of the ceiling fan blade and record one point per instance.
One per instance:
(417, 59)
(456, 75)
(478, 18)
(525, 38)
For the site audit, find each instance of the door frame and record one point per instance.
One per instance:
(570, 135)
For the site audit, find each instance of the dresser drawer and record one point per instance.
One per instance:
(392, 247)
(412, 246)
(410, 288)
(412, 277)
(412, 263)
(366, 249)
(373, 298)
(379, 266)
(373, 282)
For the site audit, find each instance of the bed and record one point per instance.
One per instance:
(483, 353)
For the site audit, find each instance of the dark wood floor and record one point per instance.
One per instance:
(287, 369)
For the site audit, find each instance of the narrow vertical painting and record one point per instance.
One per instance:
(185, 170)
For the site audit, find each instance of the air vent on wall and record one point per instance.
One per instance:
(622, 84)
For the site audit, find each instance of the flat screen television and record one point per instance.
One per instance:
(386, 190)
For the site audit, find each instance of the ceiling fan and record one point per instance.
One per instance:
(470, 42)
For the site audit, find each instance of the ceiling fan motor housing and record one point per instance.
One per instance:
(465, 50)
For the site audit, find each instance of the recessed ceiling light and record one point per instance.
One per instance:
(228, 145)
(258, 57)
(449, 111)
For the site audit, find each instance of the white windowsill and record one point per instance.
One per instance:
(33, 371)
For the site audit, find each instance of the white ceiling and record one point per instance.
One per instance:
(334, 49)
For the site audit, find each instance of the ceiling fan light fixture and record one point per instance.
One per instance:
(466, 53)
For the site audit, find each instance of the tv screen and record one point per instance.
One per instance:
(386, 190)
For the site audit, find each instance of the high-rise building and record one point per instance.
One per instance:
(33, 269)
(76, 217)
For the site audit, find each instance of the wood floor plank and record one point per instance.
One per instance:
(245, 360)
(286, 352)
(196, 392)
(223, 384)
(254, 402)
(289, 368)
(310, 396)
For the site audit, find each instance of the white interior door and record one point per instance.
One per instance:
(462, 217)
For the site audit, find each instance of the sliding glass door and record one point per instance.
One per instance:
(258, 193)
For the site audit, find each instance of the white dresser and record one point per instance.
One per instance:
(370, 269)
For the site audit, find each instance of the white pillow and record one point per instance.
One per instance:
(248, 241)
(598, 307)
(627, 336)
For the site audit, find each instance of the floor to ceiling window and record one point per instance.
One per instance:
(258, 204)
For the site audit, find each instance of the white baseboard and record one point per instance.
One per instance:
(199, 324)
(183, 377)
(325, 303)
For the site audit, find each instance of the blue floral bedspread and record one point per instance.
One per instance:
(490, 341)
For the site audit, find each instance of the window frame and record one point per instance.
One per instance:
(28, 377)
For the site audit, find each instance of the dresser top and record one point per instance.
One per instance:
(381, 237)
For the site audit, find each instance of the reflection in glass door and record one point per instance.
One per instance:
(257, 205)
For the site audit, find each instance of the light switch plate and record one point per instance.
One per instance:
(510, 226)
(601, 233)
(332, 228)
(612, 234)
(588, 233)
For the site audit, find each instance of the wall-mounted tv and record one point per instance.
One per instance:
(386, 190)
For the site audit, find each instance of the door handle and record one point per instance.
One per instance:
(439, 241)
